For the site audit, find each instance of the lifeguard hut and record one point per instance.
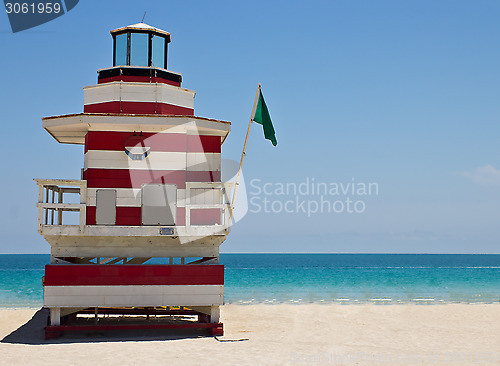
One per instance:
(152, 210)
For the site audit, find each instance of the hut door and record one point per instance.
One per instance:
(159, 204)
(105, 207)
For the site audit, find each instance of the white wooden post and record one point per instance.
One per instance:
(53, 210)
(83, 217)
(55, 316)
(60, 200)
(83, 192)
(83, 205)
(214, 314)
(46, 201)
(40, 209)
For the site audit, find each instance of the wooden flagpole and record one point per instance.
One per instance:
(243, 153)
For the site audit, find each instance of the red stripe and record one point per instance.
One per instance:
(125, 216)
(181, 216)
(138, 79)
(90, 215)
(169, 142)
(128, 216)
(192, 176)
(123, 275)
(217, 328)
(207, 216)
(117, 141)
(138, 108)
(125, 178)
(202, 143)
(131, 216)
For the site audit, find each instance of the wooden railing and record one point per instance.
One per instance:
(51, 201)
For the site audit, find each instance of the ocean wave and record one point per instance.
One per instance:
(375, 301)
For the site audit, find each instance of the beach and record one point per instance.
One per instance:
(283, 334)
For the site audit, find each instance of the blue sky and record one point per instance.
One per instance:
(404, 94)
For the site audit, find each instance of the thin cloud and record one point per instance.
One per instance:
(484, 175)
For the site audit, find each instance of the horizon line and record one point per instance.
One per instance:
(349, 253)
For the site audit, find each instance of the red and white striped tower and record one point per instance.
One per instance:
(150, 189)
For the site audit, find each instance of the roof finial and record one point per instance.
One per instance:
(144, 16)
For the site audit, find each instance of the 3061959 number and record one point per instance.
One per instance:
(40, 8)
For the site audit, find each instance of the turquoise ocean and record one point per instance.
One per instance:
(312, 278)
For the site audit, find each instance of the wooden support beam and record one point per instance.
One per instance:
(52, 211)
(214, 314)
(55, 316)
(138, 260)
(116, 260)
(202, 260)
(60, 212)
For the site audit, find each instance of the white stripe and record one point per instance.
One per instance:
(120, 160)
(203, 162)
(156, 160)
(130, 197)
(201, 196)
(157, 295)
(139, 92)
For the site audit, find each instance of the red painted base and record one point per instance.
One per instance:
(69, 324)
(217, 331)
(55, 331)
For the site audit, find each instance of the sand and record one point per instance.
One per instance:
(313, 334)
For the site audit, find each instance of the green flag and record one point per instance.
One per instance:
(262, 117)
